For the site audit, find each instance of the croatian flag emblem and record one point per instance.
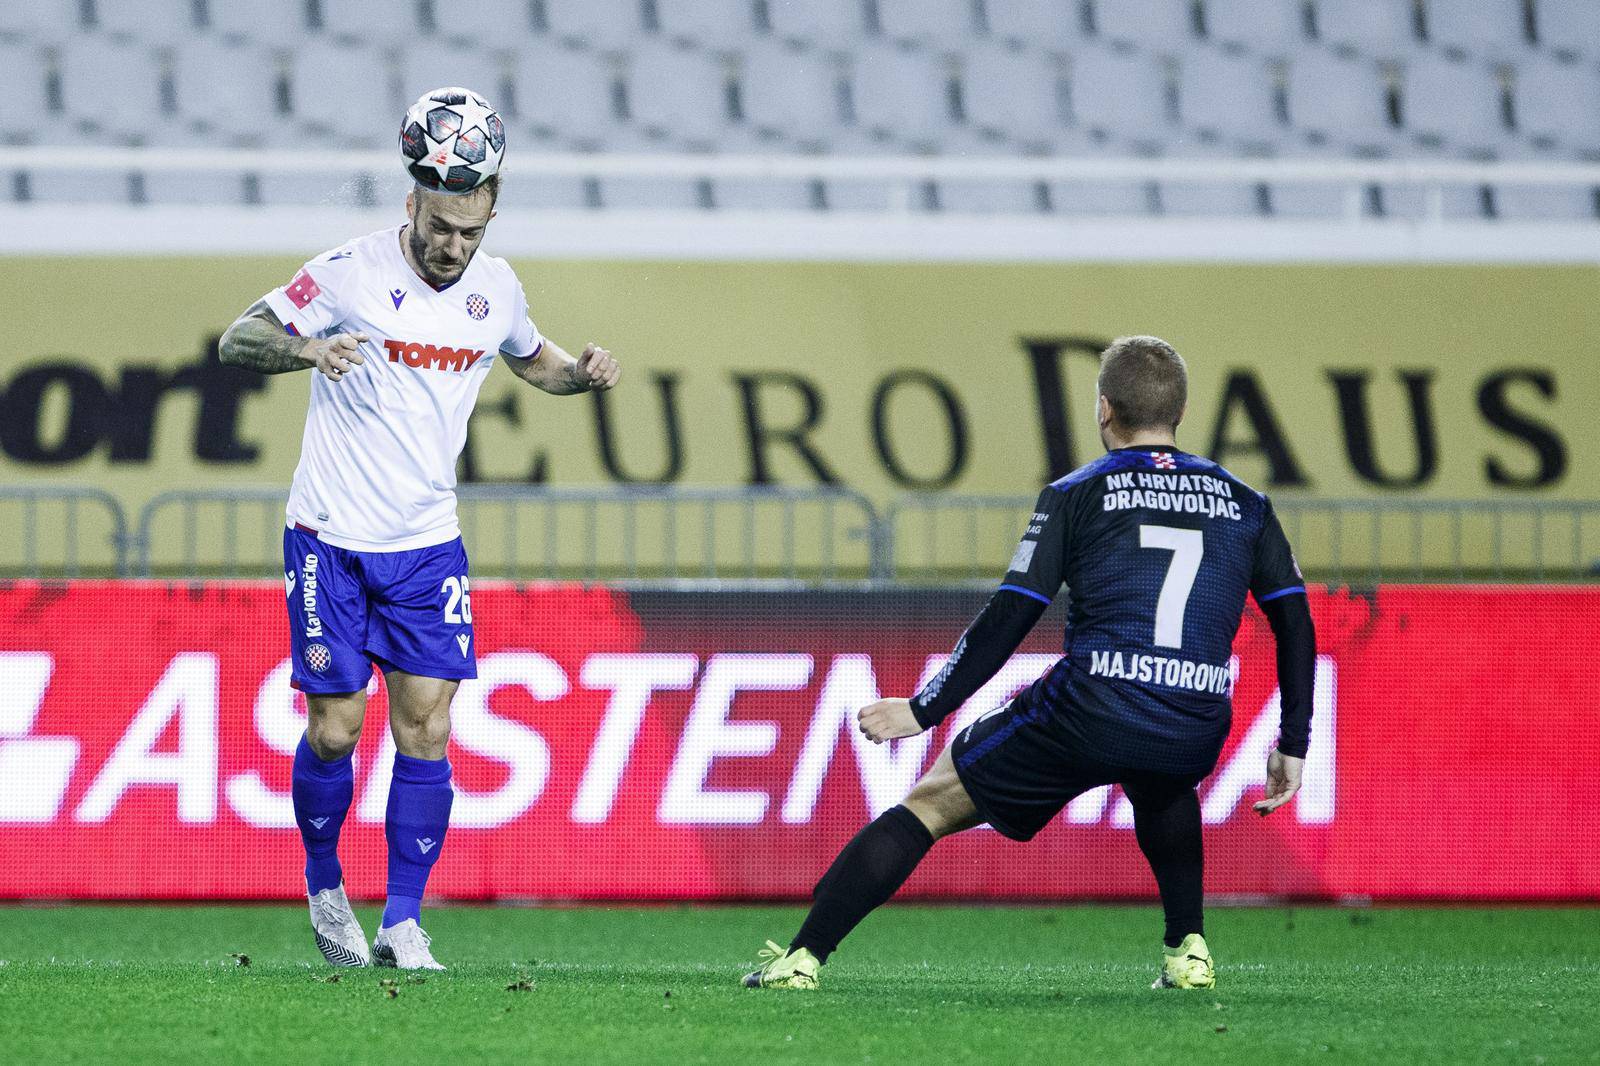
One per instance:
(1163, 461)
(302, 290)
(478, 306)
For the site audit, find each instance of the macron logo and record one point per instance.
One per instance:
(318, 823)
(288, 583)
(427, 844)
(432, 356)
(465, 641)
(398, 296)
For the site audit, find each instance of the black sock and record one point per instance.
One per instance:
(1169, 836)
(869, 870)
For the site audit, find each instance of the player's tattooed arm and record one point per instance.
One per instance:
(559, 374)
(257, 341)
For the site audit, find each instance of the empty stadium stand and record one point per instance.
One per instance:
(1430, 80)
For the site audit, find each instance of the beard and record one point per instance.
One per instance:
(419, 252)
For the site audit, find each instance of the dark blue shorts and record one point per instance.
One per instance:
(350, 609)
(1021, 764)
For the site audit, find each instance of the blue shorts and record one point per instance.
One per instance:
(350, 609)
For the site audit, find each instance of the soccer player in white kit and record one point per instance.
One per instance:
(402, 325)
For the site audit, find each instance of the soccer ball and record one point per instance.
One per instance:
(452, 141)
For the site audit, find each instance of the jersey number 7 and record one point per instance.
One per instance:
(1187, 547)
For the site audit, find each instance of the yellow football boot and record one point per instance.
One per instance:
(1187, 966)
(782, 969)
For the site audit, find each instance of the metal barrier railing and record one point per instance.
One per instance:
(1369, 541)
(522, 532)
(771, 534)
(47, 527)
(937, 538)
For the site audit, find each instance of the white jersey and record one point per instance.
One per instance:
(378, 461)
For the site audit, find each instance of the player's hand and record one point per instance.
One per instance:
(1283, 781)
(596, 370)
(336, 355)
(888, 720)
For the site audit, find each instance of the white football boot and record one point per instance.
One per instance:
(339, 936)
(404, 945)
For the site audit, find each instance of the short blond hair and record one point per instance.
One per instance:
(1146, 382)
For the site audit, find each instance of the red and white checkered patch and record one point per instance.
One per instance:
(1163, 461)
(302, 290)
(318, 657)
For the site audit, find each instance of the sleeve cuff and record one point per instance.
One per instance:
(1294, 751)
(280, 305)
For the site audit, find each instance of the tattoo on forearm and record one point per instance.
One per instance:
(257, 341)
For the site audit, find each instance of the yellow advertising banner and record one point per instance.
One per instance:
(1433, 382)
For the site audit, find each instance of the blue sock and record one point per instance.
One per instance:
(418, 815)
(322, 792)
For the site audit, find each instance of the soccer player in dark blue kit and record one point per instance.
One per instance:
(1158, 549)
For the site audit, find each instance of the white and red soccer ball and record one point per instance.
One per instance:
(452, 141)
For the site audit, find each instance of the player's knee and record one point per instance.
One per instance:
(331, 737)
(423, 730)
(942, 810)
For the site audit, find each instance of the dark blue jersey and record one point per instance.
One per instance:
(1158, 549)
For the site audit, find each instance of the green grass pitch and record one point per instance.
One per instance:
(926, 985)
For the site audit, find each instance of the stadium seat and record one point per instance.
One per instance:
(367, 113)
(1272, 27)
(1454, 106)
(1568, 27)
(1230, 99)
(816, 22)
(526, 190)
(368, 21)
(927, 23)
(902, 96)
(656, 194)
(69, 187)
(313, 189)
(1213, 199)
(24, 106)
(769, 194)
(719, 24)
(1412, 203)
(163, 23)
(1545, 203)
(461, 22)
(433, 64)
(1383, 28)
(791, 94)
(604, 24)
(1121, 99)
(1483, 29)
(43, 21)
(1159, 25)
(229, 91)
(241, 20)
(1319, 201)
(979, 197)
(1557, 106)
(1056, 25)
(676, 97)
(195, 187)
(1340, 102)
(1015, 95)
(568, 95)
(111, 87)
